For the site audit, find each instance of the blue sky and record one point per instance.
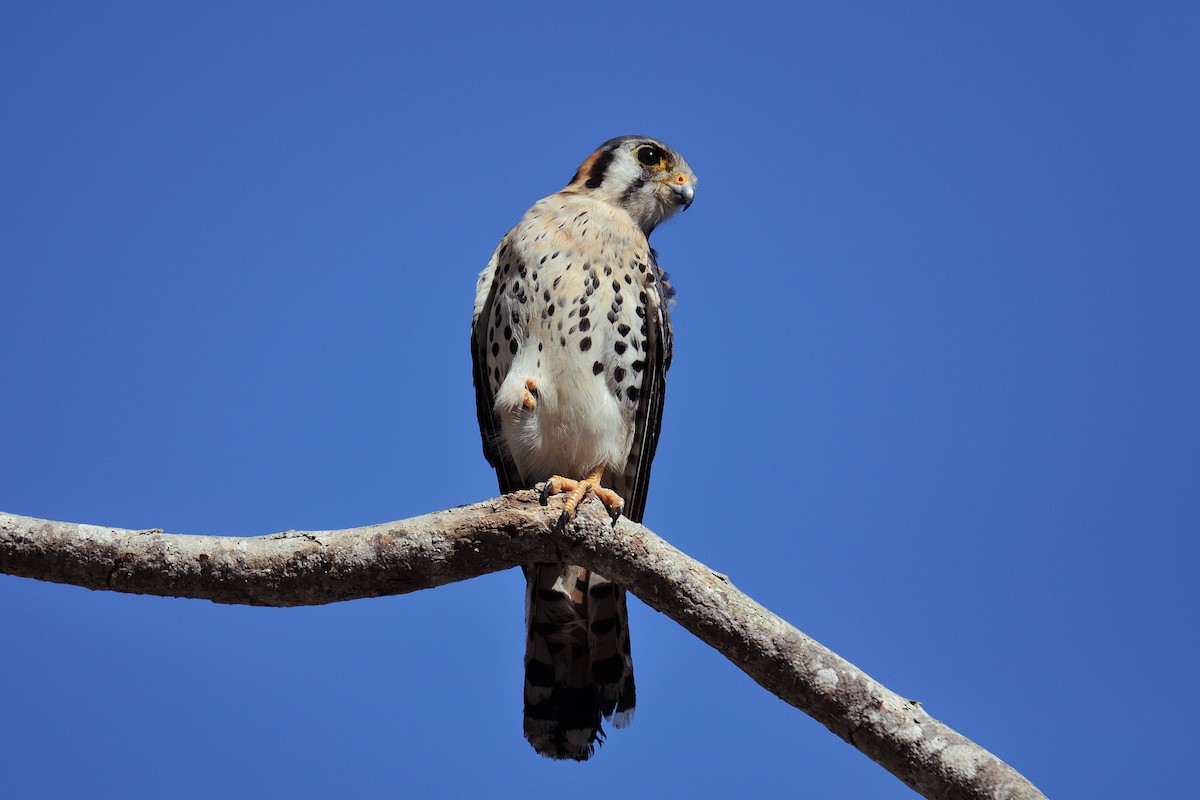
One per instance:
(935, 393)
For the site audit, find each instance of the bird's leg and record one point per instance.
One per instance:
(580, 489)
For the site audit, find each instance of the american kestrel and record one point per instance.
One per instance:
(570, 345)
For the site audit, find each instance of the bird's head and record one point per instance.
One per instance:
(639, 174)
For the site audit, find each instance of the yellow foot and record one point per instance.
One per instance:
(579, 490)
(529, 399)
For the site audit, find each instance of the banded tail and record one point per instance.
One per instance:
(578, 668)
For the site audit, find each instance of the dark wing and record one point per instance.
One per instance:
(489, 427)
(648, 421)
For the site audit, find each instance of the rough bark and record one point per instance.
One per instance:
(315, 567)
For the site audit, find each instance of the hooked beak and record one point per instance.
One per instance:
(684, 194)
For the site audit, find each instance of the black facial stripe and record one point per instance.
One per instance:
(599, 167)
(637, 184)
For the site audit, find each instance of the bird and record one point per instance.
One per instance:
(571, 340)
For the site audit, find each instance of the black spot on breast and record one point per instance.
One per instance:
(585, 325)
(628, 278)
(585, 343)
(597, 368)
(623, 329)
(608, 270)
(546, 294)
(612, 315)
(617, 287)
(632, 393)
(539, 347)
(554, 254)
(619, 374)
(619, 347)
(550, 309)
(638, 365)
(642, 298)
(495, 348)
(507, 332)
(562, 340)
(583, 309)
(512, 347)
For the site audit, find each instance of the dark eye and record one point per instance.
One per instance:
(650, 155)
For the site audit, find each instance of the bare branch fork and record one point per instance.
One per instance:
(311, 568)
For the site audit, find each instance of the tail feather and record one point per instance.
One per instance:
(578, 669)
(609, 654)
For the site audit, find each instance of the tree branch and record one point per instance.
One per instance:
(311, 568)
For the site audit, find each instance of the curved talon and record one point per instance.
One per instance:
(613, 502)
